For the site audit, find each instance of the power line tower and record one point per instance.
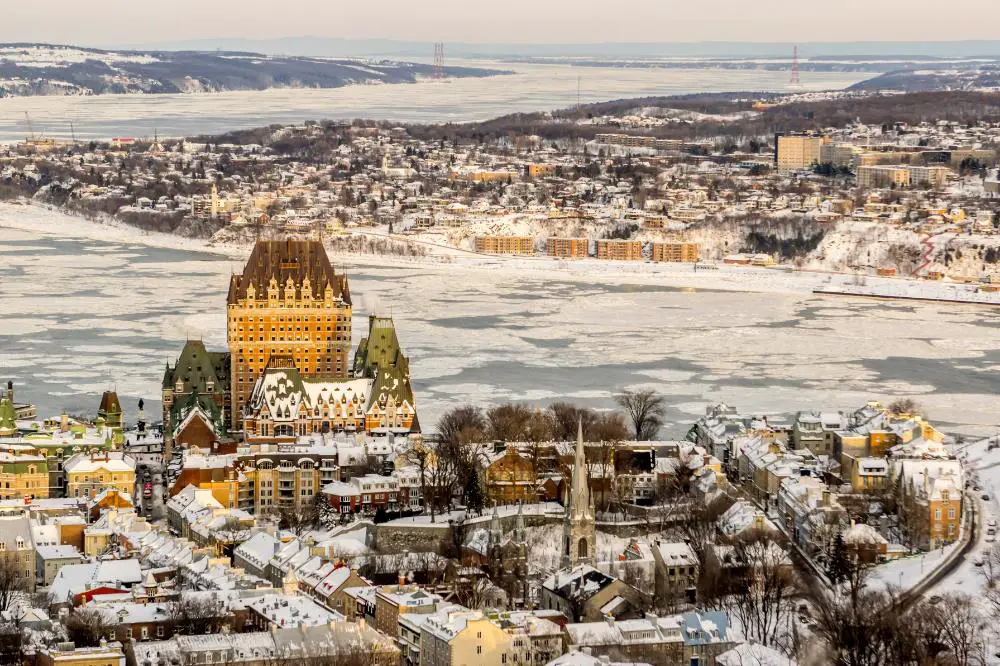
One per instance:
(438, 61)
(795, 81)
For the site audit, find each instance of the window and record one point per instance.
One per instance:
(479, 649)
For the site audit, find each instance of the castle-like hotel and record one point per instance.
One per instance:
(286, 374)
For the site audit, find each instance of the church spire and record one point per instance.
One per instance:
(579, 526)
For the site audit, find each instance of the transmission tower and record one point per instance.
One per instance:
(795, 81)
(438, 72)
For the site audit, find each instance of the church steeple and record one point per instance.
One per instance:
(579, 526)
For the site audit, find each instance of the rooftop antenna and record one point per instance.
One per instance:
(578, 82)
(795, 81)
(72, 131)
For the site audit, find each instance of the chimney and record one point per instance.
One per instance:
(826, 498)
(402, 579)
(64, 423)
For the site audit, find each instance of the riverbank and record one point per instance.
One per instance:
(34, 217)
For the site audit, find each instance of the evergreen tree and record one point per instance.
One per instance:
(839, 565)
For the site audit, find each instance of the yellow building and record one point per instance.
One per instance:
(288, 301)
(23, 476)
(619, 250)
(799, 151)
(66, 654)
(541, 170)
(505, 244)
(675, 252)
(87, 474)
(468, 638)
(567, 248)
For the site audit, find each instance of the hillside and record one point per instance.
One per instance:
(983, 77)
(40, 69)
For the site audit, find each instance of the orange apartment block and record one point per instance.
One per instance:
(288, 301)
(675, 252)
(619, 250)
(569, 248)
(505, 244)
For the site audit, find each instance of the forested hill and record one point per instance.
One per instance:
(40, 69)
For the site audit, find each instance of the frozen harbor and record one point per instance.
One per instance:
(86, 307)
(534, 87)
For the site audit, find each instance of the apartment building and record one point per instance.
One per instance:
(619, 250)
(798, 151)
(675, 252)
(567, 248)
(902, 175)
(505, 244)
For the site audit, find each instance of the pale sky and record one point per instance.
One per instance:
(110, 22)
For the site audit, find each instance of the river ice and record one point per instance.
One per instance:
(85, 307)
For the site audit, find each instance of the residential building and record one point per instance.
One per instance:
(457, 636)
(16, 548)
(675, 252)
(363, 494)
(658, 641)
(567, 248)
(619, 250)
(67, 654)
(585, 593)
(798, 151)
(391, 601)
(290, 302)
(505, 244)
(677, 571)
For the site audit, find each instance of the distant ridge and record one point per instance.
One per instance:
(333, 46)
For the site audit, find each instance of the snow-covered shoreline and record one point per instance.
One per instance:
(35, 217)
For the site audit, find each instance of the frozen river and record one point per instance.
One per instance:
(532, 88)
(80, 313)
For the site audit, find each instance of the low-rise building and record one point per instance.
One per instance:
(567, 248)
(505, 244)
(675, 252)
(619, 250)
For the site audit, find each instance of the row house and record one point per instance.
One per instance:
(363, 494)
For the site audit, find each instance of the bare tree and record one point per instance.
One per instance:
(963, 627)
(198, 614)
(646, 409)
(762, 598)
(462, 425)
(13, 583)
(904, 406)
(507, 423)
(86, 627)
